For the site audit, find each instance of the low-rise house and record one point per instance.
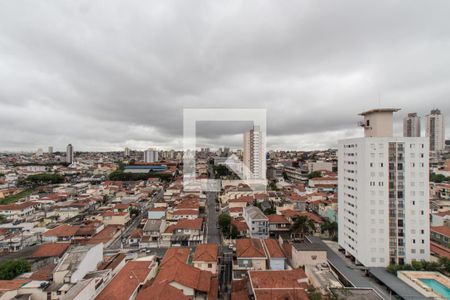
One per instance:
(287, 284)
(250, 255)
(185, 214)
(181, 281)
(152, 233)
(126, 284)
(17, 211)
(53, 251)
(275, 255)
(308, 254)
(187, 232)
(115, 218)
(440, 218)
(205, 257)
(440, 235)
(278, 224)
(157, 213)
(257, 222)
(236, 212)
(241, 227)
(77, 262)
(62, 233)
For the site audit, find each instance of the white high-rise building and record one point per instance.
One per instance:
(126, 152)
(253, 155)
(383, 186)
(150, 155)
(411, 125)
(436, 130)
(50, 150)
(69, 154)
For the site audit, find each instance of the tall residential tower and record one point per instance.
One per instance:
(411, 125)
(151, 156)
(69, 154)
(436, 130)
(383, 194)
(253, 156)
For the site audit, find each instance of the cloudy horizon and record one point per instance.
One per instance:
(104, 75)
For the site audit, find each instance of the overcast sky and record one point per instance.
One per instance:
(103, 75)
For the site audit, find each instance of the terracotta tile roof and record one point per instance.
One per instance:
(249, 248)
(170, 228)
(186, 275)
(277, 219)
(444, 213)
(176, 254)
(188, 204)
(273, 248)
(161, 292)
(136, 233)
(183, 212)
(14, 284)
(105, 235)
(236, 209)
(124, 284)
(114, 214)
(62, 231)
(206, 252)
(51, 250)
(17, 206)
(444, 230)
(286, 279)
(239, 289)
(240, 225)
(439, 250)
(112, 262)
(195, 224)
(44, 273)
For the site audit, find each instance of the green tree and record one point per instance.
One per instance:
(45, 178)
(438, 178)
(329, 227)
(303, 226)
(225, 223)
(285, 176)
(314, 174)
(10, 269)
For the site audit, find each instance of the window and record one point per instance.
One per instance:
(209, 266)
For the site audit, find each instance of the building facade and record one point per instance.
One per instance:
(411, 125)
(69, 154)
(150, 156)
(383, 195)
(435, 130)
(253, 155)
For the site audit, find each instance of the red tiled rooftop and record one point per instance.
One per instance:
(249, 248)
(176, 254)
(444, 230)
(195, 224)
(277, 219)
(126, 281)
(51, 250)
(206, 252)
(285, 279)
(14, 284)
(62, 231)
(273, 248)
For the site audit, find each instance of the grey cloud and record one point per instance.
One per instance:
(107, 74)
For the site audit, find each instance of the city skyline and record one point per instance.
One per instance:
(313, 66)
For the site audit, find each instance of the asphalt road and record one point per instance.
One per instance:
(213, 235)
